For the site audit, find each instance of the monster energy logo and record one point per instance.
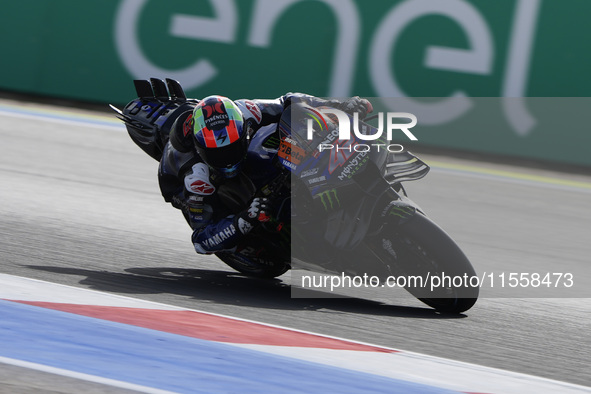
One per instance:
(330, 199)
(397, 209)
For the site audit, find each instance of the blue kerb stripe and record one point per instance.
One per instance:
(167, 361)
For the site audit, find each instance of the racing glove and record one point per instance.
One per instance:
(257, 212)
(356, 105)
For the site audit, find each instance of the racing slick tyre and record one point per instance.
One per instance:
(419, 247)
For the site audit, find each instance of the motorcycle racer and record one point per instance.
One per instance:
(252, 181)
(207, 172)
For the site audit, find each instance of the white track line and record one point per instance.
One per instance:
(83, 376)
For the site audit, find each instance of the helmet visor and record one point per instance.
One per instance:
(225, 157)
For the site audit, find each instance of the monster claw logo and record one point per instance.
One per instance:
(399, 210)
(402, 212)
(330, 199)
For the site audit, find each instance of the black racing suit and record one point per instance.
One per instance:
(211, 203)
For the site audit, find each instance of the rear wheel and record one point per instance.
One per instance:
(420, 248)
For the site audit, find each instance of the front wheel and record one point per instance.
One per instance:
(436, 271)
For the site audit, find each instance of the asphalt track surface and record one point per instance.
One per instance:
(79, 205)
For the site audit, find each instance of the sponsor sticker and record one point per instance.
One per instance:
(291, 153)
(202, 187)
(254, 110)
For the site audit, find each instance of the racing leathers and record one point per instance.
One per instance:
(222, 210)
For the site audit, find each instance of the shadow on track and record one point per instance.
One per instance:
(233, 288)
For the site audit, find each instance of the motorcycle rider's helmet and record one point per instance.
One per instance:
(220, 139)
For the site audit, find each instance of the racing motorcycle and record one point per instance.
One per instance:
(339, 211)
